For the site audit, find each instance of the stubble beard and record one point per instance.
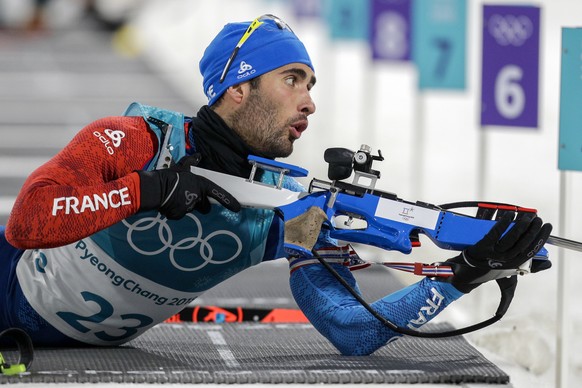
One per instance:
(256, 123)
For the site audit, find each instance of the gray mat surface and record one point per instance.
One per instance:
(267, 286)
(259, 353)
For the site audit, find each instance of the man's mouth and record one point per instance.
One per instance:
(297, 128)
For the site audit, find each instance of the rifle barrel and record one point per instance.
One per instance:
(565, 243)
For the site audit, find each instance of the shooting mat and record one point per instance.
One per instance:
(266, 353)
(256, 353)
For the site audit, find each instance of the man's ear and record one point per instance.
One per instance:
(238, 92)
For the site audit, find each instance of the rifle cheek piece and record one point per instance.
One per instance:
(342, 162)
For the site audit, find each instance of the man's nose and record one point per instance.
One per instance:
(308, 106)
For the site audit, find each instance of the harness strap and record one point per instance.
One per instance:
(347, 256)
(422, 269)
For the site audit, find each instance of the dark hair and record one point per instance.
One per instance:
(254, 83)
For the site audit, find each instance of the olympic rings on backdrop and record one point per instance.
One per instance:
(510, 30)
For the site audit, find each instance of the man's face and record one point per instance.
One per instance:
(275, 114)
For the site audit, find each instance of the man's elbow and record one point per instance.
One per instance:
(16, 240)
(361, 343)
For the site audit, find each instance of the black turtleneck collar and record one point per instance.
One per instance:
(222, 149)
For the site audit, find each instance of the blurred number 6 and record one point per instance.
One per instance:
(509, 95)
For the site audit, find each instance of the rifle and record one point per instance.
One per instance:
(357, 212)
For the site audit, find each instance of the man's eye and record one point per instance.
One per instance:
(290, 81)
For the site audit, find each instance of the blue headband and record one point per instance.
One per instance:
(268, 48)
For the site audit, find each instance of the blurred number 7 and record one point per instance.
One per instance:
(445, 48)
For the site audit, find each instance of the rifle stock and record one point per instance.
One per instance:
(388, 222)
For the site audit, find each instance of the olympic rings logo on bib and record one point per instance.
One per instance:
(166, 238)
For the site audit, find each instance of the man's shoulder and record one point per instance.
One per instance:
(125, 123)
(146, 111)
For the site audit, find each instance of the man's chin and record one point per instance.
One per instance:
(287, 151)
(279, 153)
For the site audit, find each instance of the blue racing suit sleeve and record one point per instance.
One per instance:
(339, 317)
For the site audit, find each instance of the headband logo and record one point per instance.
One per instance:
(245, 70)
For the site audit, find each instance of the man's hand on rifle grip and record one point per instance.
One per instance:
(502, 248)
(175, 191)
